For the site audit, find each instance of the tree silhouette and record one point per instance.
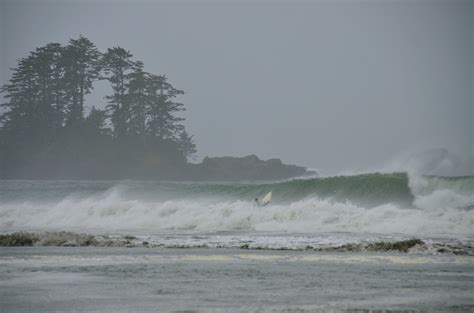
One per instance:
(82, 63)
(117, 65)
(138, 100)
(163, 123)
(186, 144)
(43, 131)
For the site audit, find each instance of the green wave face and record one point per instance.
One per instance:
(367, 190)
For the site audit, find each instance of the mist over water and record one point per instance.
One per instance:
(369, 203)
(355, 207)
(140, 141)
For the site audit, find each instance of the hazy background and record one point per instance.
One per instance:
(326, 84)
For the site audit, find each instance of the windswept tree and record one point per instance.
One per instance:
(163, 122)
(50, 93)
(82, 64)
(43, 131)
(117, 63)
(35, 95)
(21, 95)
(186, 145)
(138, 100)
(96, 122)
(34, 110)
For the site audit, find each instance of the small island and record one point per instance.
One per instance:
(49, 131)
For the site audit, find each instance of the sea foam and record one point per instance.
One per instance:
(438, 207)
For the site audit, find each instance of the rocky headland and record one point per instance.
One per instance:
(244, 168)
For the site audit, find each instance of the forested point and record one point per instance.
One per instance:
(47, 130)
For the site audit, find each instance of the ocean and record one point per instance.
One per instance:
(207, 247)
(327, 211)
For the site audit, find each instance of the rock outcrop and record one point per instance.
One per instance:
(246, 168)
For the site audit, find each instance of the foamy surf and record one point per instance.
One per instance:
(303, 212)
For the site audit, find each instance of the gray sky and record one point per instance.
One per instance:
(325, 84)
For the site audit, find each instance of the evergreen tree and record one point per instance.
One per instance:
(186, 144)
(117, 65)
(81, 61)
(21, 93)
(50, 93)
(34, 108)
(43, 131)
(35, 95)
(138, 100)
(96, 122)
(163, 123)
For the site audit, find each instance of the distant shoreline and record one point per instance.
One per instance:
(247, 168)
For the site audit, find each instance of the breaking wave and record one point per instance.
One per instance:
(370, 203)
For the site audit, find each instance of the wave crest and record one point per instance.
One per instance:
(371, 203)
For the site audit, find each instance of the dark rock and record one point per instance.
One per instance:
(130, 237)
(18, 239)
(245, 168)
(402, 246)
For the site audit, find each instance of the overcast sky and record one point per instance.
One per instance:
(325, 84)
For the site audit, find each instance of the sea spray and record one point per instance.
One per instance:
(369, 203)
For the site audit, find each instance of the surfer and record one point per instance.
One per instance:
(256, 202)
(266, 200)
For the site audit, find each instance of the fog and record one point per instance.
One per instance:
(332, 85)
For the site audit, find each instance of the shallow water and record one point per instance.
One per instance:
(50, 279)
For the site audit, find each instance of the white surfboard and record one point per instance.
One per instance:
(266, 200)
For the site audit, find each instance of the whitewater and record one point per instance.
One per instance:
(313, 211)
